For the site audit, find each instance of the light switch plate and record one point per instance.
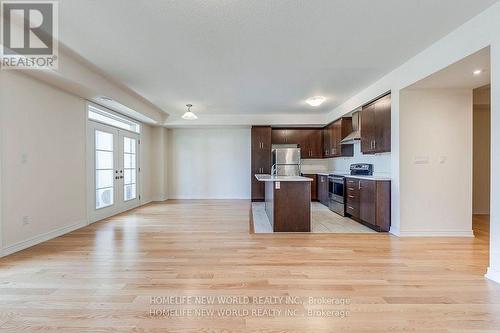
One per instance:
(277, 185)
(421, 160)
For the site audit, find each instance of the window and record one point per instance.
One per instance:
(103, 169)
(129, 169)
(109, 118)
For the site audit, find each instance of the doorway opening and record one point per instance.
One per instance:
(445, 152)
(481, 160)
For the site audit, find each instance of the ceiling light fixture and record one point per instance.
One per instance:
(316, 100)
(189, 115)
(477, 71)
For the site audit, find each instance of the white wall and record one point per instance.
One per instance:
(494, 269)
(209, 163)
(147, 158)
(43, 160)
(436, 131)
(159, 164)
(481, 151)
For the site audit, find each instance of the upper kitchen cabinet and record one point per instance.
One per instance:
(308, 139)
(333, 134)
(279, 136)
(376, 126)
(311, 143)
(261, 159)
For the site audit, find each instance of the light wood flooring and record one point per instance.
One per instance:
(101, 278)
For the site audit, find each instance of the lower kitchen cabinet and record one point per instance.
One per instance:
(314, 186)
(369, 202)
(323, 189)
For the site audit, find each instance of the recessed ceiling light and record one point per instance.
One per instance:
(315, 101)
(189, 115)
(477, 71)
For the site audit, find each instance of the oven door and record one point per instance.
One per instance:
(336, 188)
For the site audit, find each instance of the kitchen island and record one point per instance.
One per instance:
(288, 202)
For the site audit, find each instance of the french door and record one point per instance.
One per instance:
(113, 170)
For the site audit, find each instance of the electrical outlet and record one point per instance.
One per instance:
(26, 220)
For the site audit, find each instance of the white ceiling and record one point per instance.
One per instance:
(460, 74)
(253, 57)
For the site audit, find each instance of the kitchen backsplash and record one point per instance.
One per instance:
(381, 163)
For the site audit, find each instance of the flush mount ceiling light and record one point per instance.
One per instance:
(477, 71)
(189, 115)
(316, 100)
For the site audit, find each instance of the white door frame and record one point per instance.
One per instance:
(119, 205)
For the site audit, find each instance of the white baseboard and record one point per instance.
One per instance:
(493, 275)
(435, 233)
(41, 238)
(394, 231)
(208, 197)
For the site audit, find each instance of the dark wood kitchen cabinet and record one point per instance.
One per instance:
(369, 202)
(260, 159)
(352, 197)
(333, 134)
(278, 136)
(285, 136)
(323, 189)
(314, 186)
(308, 139)
(376, 126)
(311, 143)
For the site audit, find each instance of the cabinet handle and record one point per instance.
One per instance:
(350, 207)
(350, 196)
(359, 185)
(375, 144)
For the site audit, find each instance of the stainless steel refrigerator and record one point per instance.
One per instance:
(286, 161)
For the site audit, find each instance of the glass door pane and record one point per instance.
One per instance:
(104, 166)
(129, 168)
(113, 170)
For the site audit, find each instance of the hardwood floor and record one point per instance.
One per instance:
(101, 278)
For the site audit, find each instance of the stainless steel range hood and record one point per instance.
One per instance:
(355, 135)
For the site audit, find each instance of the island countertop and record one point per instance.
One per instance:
(269, 178)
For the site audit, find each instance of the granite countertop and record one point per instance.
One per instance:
(269, 178)
(346, 174)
